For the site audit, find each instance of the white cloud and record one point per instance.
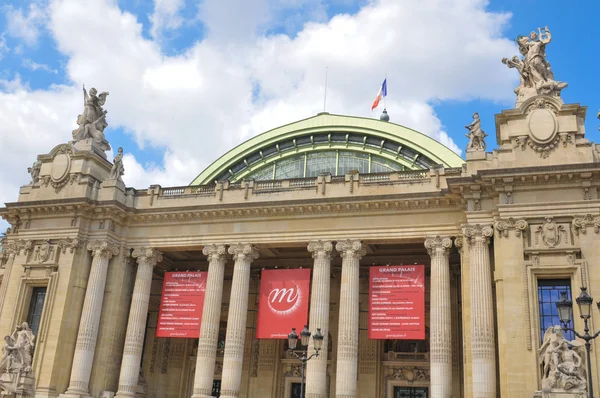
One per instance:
(3, 46)
(237, 83)
(26, 25)
(34, 66)
(166, 16)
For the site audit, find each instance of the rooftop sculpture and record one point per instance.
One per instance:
(537, 77)
(92, 121)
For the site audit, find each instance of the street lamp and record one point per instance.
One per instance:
(304, 341)
(565, 312)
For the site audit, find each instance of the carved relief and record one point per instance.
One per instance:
(42, 252)
(72, 244)
(581, 224)
(409, 373)
(504, 226)
(550, 233)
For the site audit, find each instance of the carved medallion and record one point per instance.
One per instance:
(61, 167)
(542, 125)
(550, 232)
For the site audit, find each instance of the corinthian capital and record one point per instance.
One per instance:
(148, 255)
(581, 224)
(243, 250)
(504, 226)
(437, 245)
(320, 249)
(103, 248)
(351, 248)
(215, 252)
(478, 233)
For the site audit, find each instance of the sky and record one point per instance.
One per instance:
(189, 80)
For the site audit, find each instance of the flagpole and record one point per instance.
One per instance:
(325, 94)
(385, 97)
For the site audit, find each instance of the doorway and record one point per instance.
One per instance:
(296, 391)
(411, 392)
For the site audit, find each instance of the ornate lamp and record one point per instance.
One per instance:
(318, 339)
(292, 339)
(565, 308)
(305, 336)
(585, 301)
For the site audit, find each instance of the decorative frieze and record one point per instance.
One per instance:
(503, 227)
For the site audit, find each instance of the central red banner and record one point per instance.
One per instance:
(397, 302)
(283, 302)
(181, 304)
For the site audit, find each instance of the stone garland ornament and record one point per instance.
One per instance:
(92, 121)
(476, 135)
(534, 69)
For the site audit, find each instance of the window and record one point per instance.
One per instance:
(36, 306)
(353, 161)
(296, 391)
(548, 294)
(216, 389)
(320, 162)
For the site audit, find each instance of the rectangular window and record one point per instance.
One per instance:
(548, 294)
(36, 305)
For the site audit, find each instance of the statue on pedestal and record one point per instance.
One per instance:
(537, 77)
(15, 364)
(117, 169)
(92, 121)
(562, 365)
(34, 170)
(476, 135)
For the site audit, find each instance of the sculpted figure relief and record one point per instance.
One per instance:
(92, 121)
(476, 135)
(117, 169)
(18, 351)
(562, 365)
(537, 77)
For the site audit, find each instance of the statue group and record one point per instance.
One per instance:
(537, 77)
(562, 362)
(17, 353)
(92, 121)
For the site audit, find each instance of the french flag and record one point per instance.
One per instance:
(382, 93)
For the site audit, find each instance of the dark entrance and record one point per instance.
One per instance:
(216, 390)
(410, 392)
(296, 391)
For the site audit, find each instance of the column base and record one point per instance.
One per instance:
(125, 395)
(75, 394)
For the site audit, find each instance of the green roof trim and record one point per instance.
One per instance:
(325, 123)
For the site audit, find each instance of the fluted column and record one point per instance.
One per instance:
(147, 258)
(102, 252)
(482, 312)
(243, 255)
(211, 316)
(347, 352)
(316, 370)
(440, 321)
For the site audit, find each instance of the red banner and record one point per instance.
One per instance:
(283, 302)
(397, 302)
(181, 304)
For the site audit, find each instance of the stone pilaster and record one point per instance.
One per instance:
(211, 316)
(482, 312)
(316, 370)
(147, 258)
(10, 250)
(243, 255)
(440, 322)
(347, 351)
(102, 252)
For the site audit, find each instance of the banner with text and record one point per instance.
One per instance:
(283, 302)
(181, 304)
(397, 302)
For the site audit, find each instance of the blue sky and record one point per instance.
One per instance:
(191, 79)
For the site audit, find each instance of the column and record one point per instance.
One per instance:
(147, 258)
(316, 370)
(102, 252)
(440, 321)
(10, 250)
(243, 255)
(347, 352)
(482, 312)
(211, 316)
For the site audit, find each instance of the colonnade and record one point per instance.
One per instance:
(351, 251)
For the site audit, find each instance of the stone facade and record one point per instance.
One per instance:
(487, 232)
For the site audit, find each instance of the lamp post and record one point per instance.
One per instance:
(304, 340)
(565, 312)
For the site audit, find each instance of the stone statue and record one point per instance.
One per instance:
(537, 77)
(17, 354)
(562, 365)
(117, 169)
(34, 170)
(476, 135)
(92, 121)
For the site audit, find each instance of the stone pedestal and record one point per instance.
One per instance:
(560, 394)
(14, 385)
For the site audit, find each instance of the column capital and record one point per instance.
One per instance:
(459, 242)
(438, 245)
(103, 248)
(503, 227)
(581, 224)
(147, 254)
(478, 233)
(241, 250)
(320, 249)
(351, 248)
(215, 252)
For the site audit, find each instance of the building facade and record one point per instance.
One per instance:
(500, 234)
